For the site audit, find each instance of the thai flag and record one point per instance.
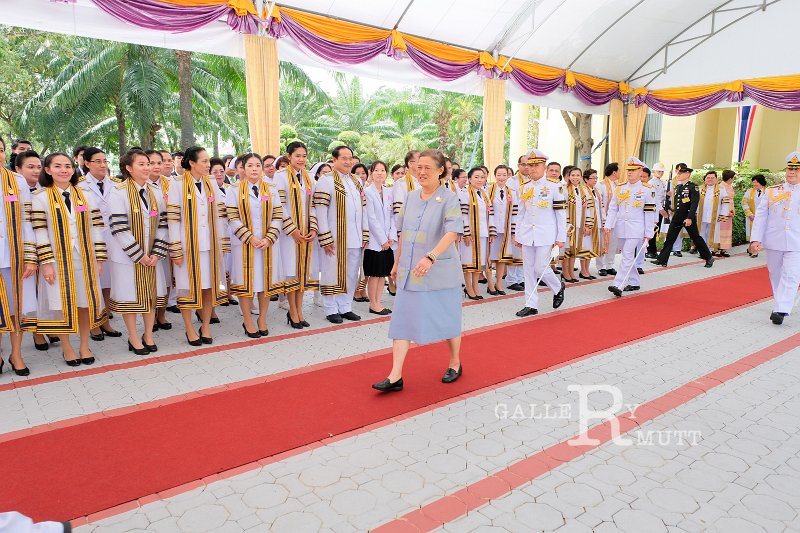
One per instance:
(745, 115)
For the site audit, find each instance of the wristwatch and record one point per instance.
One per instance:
(430, 256)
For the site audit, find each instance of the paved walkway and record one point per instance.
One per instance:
(724, 460)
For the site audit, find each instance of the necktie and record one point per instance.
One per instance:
(143, 197)
(100, 186)
(199, 186)
(255, 190)
(67, 201)
(502, 195)
(33, 189)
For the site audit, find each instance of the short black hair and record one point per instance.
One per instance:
(410, 155)
(127, 160)
(78, 149)
(551, 163)
(646, 171)
(396, 167)
(293, 146)
(88, 153)
(190, 156)
(759, 178)
(217, 161)
(16, 143)
(457, 173)
(45, 179)
(20, 158)
(338, 150)
(610, 169)
(359, 165)
(473, 170)
(178, 153)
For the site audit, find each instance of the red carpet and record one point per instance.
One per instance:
(75, 471)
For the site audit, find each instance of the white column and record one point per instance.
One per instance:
(520, 114)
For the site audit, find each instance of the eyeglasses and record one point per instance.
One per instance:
(99, 161)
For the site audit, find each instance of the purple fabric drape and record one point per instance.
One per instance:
(441, 68)
(592, 97)
(535, 86)
(156, 15)
(783, 100)
(682, 108)
(343, 53)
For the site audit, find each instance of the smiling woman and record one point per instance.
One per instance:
(427, 271)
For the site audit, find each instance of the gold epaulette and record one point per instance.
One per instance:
(120, 186)
(554, 180)
(647, 185)
(81, 178)
(39, 191)
(116, 179)
(775, 186)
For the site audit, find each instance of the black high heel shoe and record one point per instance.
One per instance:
(254, 335)
(263, 332)
(213, 320)
(24, 371)
(73, 362)
(86, 360)
(472, 297)
(162, 325)
(196, 342)
(43, 347)
(52, 339)
(305, 324)
(112, 333)
(138, 351)
(295, 325)
(205, 340)
(97, 337)
(149, 347)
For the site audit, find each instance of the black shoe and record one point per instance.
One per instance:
(611, 272)
(52, 339)
(226, 303)
(98, 337)
(263, 332)
(383, 312)
(305, 324)
(527, 311)
(522, 284)
(586, 277)
(87, 360)
(650, 255)
(139, 351)
(516, 287)
(214, 320)
(483, 280)
(659, 263)
(542, 284)
(112, 333)
(335, 318)
(491, 292)
(390, 292)
(388, 386)
(777, 318)
(24, 371)
(678, 253)
(615, 291)
(602, 272)
(640, 271)
(196, 342)
(709, 262)
(450, 375)
(558, 298)
(501, 293)
(162, 325)
(232, 301)
(350, 316)
(74, 362)
(149, 347)
(295, 325)
(471, 297)
(206, 340)
(273, 298)
(629, 288)
(43, 347)
(253, 335)
(361, 300)
(173, 309)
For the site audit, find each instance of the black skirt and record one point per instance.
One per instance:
(378, 264)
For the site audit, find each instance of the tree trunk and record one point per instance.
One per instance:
(150, 136)
(185, 94)
(216, 143)
(442, 119)
(121, 128)
(581, 131)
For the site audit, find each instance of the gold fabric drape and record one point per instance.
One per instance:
(626, 137)
(617, 133)
(494, 122)
(263, 108)
(634, 129)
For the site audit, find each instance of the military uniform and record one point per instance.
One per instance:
(541, 222)
(685, 200)
(632, 217)
(776, 228)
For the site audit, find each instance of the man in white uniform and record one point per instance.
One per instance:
(631, 216)
(606, 188)
(515, 277)
(776, 229)
(541, 224)
(342, 220)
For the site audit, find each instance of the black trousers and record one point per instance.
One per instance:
(651, 244)
(675, 228)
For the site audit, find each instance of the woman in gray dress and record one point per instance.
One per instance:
(427, 270)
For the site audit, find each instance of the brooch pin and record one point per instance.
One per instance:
(439, 199)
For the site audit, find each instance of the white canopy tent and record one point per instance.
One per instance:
(653, 43)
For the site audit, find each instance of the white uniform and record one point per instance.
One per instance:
(753, 197)
(777, 228)
(661, 193)
(631, 217)
(380, 218)
(400, 190)
(337, 293)
(541, 221)
(515, 273)
(707, 217)
(91, 187)
(605, 190)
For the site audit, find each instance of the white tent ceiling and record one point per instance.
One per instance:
(710, 41)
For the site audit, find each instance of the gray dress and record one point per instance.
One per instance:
(428, 309)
